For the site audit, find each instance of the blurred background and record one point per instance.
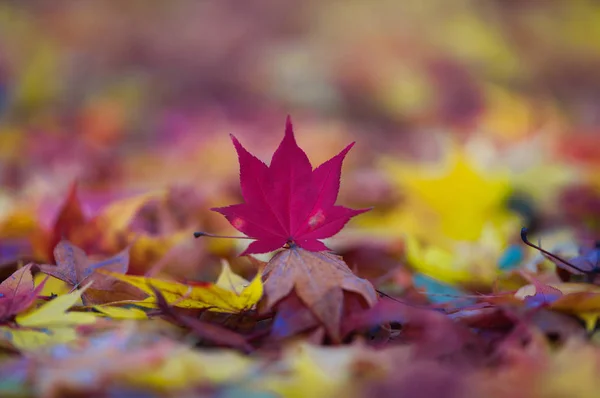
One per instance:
(472, 119)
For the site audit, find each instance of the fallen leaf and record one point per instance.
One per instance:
(121, 312)
(199, 295)
(74, 267)
(292, 318)
(229, 280)
(48, 324)
(18, 292)
(434, 209)
(288, 202)
(71, 223)
(319, 279)
(579, 299)
(52, 286)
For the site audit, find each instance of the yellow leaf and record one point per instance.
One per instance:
(53, 285)
(449, 201)
(206, 295)
(26, 340)
(54, 313)
(456, 210)
(229, 280)
(120, 312)
(463, 198)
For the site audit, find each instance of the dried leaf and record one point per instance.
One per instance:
(74, 267)
(319, 279)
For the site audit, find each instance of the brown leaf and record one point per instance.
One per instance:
(75, 267)
(292, 317)
(319, 279)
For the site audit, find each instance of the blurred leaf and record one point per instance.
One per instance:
(18, 292)
(48, 324)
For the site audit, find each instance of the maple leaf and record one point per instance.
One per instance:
(18, 292)
(288, 202)
(319, 280)
(195, 295)
(118, 222)
(74, 267)
(435, 210)
(71, 223)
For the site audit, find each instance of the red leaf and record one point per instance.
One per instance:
(17, 292)
(288, 201)
(70, 218)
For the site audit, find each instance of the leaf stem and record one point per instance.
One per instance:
(547, 253)
(200, 234)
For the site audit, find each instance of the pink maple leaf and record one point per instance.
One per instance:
(288, 202)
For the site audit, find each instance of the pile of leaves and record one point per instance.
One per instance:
(112, 305)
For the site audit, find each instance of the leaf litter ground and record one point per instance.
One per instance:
(303, 323)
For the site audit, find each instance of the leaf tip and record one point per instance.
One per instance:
(289, 128)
